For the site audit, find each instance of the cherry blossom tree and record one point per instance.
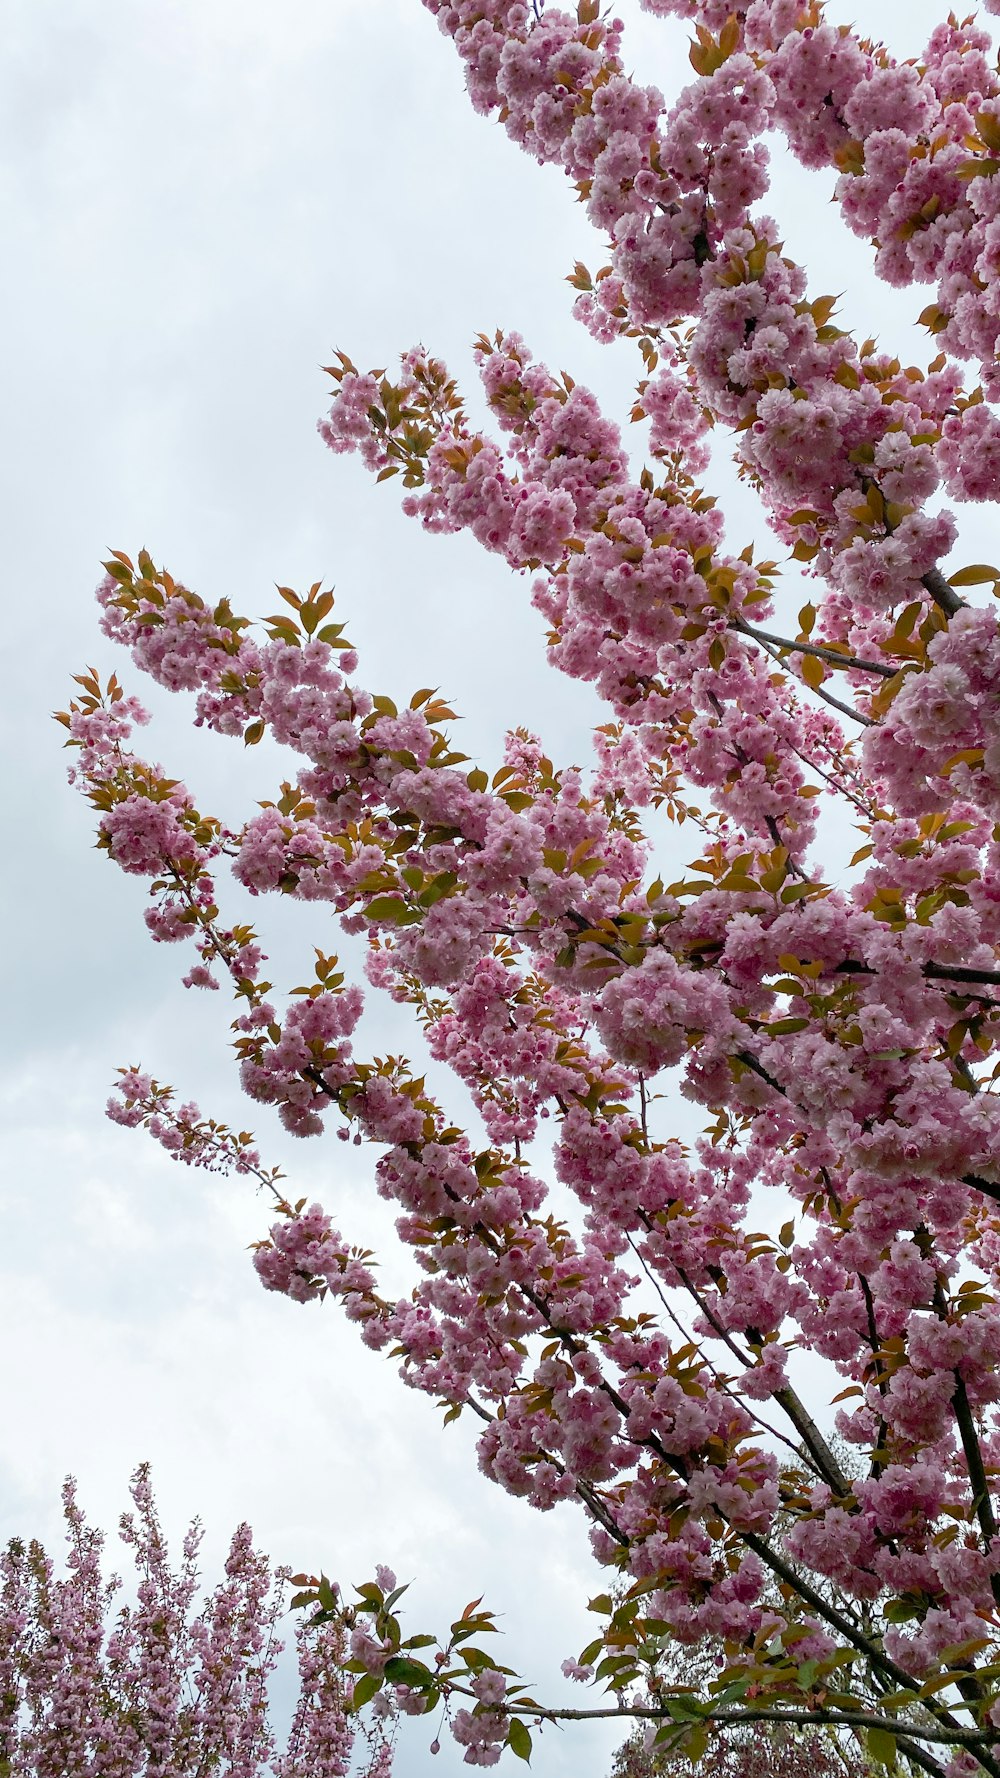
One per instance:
(171, 1685)
(605, 1305)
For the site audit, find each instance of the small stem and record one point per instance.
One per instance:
(870, 811)
(775, 833)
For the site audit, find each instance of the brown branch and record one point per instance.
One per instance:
(730, 1718)
(937, 972)
(773, 829)
(735, 1718)
(882, 1380)
(832, 655)
(977, 1473)
(877, 1658)
(838, 788)
(750, 1061)
(943, 595)
(978, 1480)
(787, 1398)
(813, 1439)
(827, 696)
(988, 1187)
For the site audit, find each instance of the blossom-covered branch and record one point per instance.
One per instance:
(642, 1353)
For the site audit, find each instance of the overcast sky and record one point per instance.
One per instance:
(200, 198)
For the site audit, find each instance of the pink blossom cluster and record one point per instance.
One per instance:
(300, 1066)
(175, 637)
(910, 138)
(635, 598)
(140, 1101)
(305, 1257)
(483, 1733)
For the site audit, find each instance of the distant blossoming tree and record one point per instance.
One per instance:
(756, 1750)
(637, 1354)
(172, 1685)
(748, 1753)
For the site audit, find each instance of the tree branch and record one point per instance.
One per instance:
(943, 595)
(827, 696)
(730, 1718)
(977, 1473)
(867, 1646)
(832, 655)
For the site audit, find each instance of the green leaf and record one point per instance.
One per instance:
(730, 1693)
(441, 885)
(882, 1746)
(364, 1689)
(399, 1670)
(669, 1737)
(387, 907)
(476, 1659)
(738, 883)
(900, 1611)
(683, 1708)
(695, 1743)
(796, 891)
(519, 1739)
